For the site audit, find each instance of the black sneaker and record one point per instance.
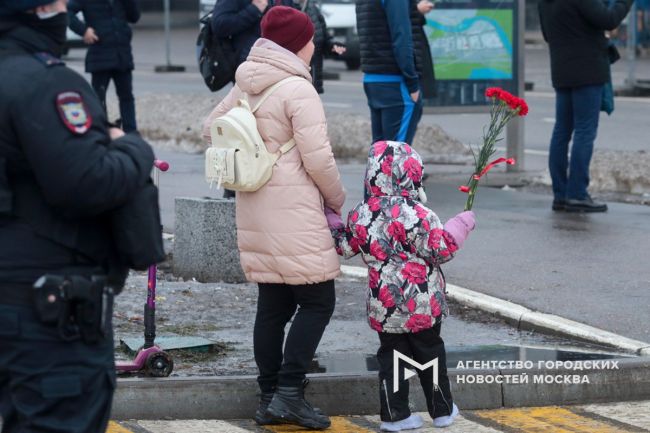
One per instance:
(586, 205)
(559, 205)
(289, 405)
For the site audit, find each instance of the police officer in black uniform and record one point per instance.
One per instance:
(62, 171)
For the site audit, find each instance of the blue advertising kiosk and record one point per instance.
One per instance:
(476, 44)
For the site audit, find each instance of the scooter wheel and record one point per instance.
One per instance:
(159, 364)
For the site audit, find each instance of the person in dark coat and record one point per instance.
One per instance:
(105, 28)
(323, 41)
(63, 172)
(580, 67)
(239, 20)
(393, 47)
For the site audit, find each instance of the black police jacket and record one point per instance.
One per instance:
(60, 173)
(110, 20)
(575, 32)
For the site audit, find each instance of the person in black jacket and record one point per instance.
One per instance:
(62, 173)
(323, 41)
(393, 48)
(105, 28)
(580, 67)
(239, 20)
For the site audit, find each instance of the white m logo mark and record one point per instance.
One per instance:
(397, 356)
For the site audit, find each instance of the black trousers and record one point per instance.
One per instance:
(124, 88)
(421, 347)
(276, 305)
(49, 385)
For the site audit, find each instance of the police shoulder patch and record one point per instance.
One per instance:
(73, 112)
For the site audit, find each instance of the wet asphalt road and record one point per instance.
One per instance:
(589, 268)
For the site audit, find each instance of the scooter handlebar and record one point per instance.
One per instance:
(161, 165)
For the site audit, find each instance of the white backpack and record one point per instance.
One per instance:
(238, 158)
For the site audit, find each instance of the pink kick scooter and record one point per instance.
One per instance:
(150, 359)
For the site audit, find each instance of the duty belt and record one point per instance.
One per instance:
(16, 294)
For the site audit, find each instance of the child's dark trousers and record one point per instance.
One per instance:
(422, 347)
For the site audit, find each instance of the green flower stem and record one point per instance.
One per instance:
(500, 115)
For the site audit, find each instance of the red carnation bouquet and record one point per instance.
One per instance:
(505, 106)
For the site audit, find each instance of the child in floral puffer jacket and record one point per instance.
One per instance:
(403, 243)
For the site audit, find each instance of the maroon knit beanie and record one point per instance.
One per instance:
(287, 27)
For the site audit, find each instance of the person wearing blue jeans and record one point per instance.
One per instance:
(393, 48)
(577, 114)
(393, 114)
(580, 67)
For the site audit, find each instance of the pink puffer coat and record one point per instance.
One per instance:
(282, 232)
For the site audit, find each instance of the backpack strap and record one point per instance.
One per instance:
(287, 146)
(272, 89)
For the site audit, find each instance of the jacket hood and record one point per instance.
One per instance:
(267, 64)
(394, 169)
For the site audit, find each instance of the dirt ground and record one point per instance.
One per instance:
(225, 313)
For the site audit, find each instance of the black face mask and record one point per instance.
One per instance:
(53, 27)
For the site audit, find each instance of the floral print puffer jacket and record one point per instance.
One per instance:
(402, 242)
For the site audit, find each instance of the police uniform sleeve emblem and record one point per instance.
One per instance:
(73, 112)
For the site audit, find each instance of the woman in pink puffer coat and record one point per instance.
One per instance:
(282, 233)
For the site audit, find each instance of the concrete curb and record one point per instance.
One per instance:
(525, 318)
(235, 397)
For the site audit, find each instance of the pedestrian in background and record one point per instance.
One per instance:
(323, 41)
(403, 243)
(393, 47)
(63, 172)
(105, 29)
(283, 238)
(580, 67)
(240, 21)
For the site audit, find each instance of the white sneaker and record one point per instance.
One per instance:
(414, 421)
(446, 421)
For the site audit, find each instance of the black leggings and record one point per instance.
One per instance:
(276, 305)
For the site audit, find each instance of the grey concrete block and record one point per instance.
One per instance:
(235, 397)
(186, 398)
(205, 245)
(631, 381)
(472, 396)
